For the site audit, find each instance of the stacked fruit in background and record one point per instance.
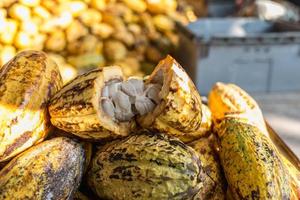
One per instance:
(84, 34)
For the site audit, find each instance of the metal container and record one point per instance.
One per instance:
(245, 51)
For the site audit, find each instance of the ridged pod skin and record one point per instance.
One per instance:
(179, 113)
(146, 166)
(214, 186)
(225, 99)
(49, 170)
(229, 100)
(76, 109)
(27, 82)
(252, 165)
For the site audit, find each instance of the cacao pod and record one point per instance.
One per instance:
(179, 112)
(252, 165)
(27, 82)
(229, 99)
(76, 107)
(146, 166)
(215, 184)
(49, 170)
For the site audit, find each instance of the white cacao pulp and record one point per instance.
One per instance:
(123, 100)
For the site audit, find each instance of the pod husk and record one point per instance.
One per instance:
(27, 82)
(76, 107)
(179, 113)
(146, 166)
(253, 167)
(230, 99)
(49, 170)
(214, 184)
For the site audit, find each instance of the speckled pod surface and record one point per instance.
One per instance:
(76, 107)
(252, 165)
(49, 170)
(214, 184)
(146, 166)
(230, 99)
(179, 113)
(205, 126)
(27, 82)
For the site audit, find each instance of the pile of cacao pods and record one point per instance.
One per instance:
(85, 34)
(78, 141)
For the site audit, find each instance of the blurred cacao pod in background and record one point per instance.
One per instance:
(84, 34)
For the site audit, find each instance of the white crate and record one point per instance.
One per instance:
(255, 58)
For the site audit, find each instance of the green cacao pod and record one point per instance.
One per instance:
(252, 165)
(146, 166)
